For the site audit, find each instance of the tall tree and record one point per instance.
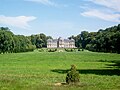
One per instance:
(6, 40)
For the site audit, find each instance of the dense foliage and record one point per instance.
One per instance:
(13, 43)
(107, 40)
(10, 43)
(69, 50)
(52, 50)
(72, 76)
(39, 40)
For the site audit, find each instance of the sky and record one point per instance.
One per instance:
(58, 18)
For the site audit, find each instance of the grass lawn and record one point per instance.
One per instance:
(41, 70)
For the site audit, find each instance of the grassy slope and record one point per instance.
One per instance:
(35, 71)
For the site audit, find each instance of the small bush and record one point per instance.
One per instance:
(52, 50)
(78, 49)
(41, 50)
(72, 76)
(69, 50)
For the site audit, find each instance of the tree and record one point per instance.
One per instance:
(102, 41)
(14, 43)
(40, 40)
(106, 40)
(43, 40)
(49, 37)
(84, 38)
(72, 76)
(6, 40)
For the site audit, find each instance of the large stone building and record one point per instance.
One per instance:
(60, 43)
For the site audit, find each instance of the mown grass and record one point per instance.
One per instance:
(41, 70)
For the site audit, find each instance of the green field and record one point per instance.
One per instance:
(41, 70)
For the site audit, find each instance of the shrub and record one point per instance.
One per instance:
(52, 50)
(72, 76)
(78, 49)
(41, 50)
(69, 50)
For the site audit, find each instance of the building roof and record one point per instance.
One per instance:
(59, 39)
(72, 40)
(55, 40)
(66, 40)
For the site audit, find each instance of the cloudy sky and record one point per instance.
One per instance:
(58, 17)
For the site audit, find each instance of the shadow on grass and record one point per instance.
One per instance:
(111, 69)
(114, 64)
(108, 72)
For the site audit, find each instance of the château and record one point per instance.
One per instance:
(60, 43)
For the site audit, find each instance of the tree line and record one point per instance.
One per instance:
(10, 43)
(107, 40)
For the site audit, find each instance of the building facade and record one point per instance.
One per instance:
(60, 43)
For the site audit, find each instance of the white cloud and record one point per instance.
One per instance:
(113, 4)
(19, 21)
(48, 3)
(45, 2)
(102, 15)
(108, 10)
